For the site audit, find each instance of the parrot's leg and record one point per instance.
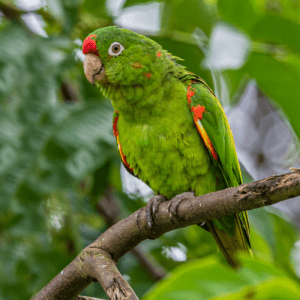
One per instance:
(152, 208)
(174, 203)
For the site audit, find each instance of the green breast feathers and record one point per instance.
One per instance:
(170, 128)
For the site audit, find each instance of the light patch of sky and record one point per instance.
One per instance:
(142, 18)
(175, 253)
(115, 6)
(126, 277)
(56, 221)
(228, 48)
(79, 56)
(78, 52)
(295, 254)
(35, 23)
(133, 186)
(30, 5)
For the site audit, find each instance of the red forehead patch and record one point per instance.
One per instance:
(89, 45)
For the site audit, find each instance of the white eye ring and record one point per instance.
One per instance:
(115, 49)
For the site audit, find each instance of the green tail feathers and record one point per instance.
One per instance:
(229, 244)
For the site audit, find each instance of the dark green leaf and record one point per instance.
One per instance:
(278, 30)
(275, 289)
(177, 16)
(286, 236)
(207, 279)
(201, 279)
(96, 8)
(236, 82)
(262, 221)
(239, 13)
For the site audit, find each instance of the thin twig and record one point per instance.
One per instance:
(14, 14)
(68, 93)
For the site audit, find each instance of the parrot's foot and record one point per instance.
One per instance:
(173, 204)
(152, 208)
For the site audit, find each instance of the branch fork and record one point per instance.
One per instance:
(97, 262)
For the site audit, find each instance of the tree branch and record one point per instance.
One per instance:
(110, 211)
(68, 93)
(97, 261)
(12, 12)
(86, 298)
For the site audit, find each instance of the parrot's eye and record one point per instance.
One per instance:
(115, 49)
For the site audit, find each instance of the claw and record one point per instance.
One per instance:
(152, 208)
(173, 205)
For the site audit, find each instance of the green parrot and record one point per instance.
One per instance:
(171, 130)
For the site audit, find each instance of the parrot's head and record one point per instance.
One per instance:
(128, 67)
(119, 58)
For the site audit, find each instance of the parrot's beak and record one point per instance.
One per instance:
(93, 68)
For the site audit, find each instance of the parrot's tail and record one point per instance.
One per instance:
(230, 244)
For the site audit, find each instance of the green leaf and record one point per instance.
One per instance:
(82, 142)
(273, 228)
(276, 29)
(96, 8)
(236, 82)
(275, 289)
(201, 279)
(178, 16)
(86, 127)
(239, 13)
(13, 39)
(286, 236)
(262, 221)
(207, 279)
(280, 82)
(256, 270)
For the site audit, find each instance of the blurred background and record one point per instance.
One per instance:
(61, 181)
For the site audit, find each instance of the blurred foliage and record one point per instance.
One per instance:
(206, 279)
(58, 153)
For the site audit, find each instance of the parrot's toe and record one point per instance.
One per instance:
(152, 208)
(174, 203)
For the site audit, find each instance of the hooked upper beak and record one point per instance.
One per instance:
(93, 68)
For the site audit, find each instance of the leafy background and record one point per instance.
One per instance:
(60, 179)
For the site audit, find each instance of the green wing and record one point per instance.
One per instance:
(216, 126)
(215, 131)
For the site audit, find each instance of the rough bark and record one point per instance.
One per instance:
(97, 261)
(109, 210)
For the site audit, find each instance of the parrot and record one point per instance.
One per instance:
(170, 128)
